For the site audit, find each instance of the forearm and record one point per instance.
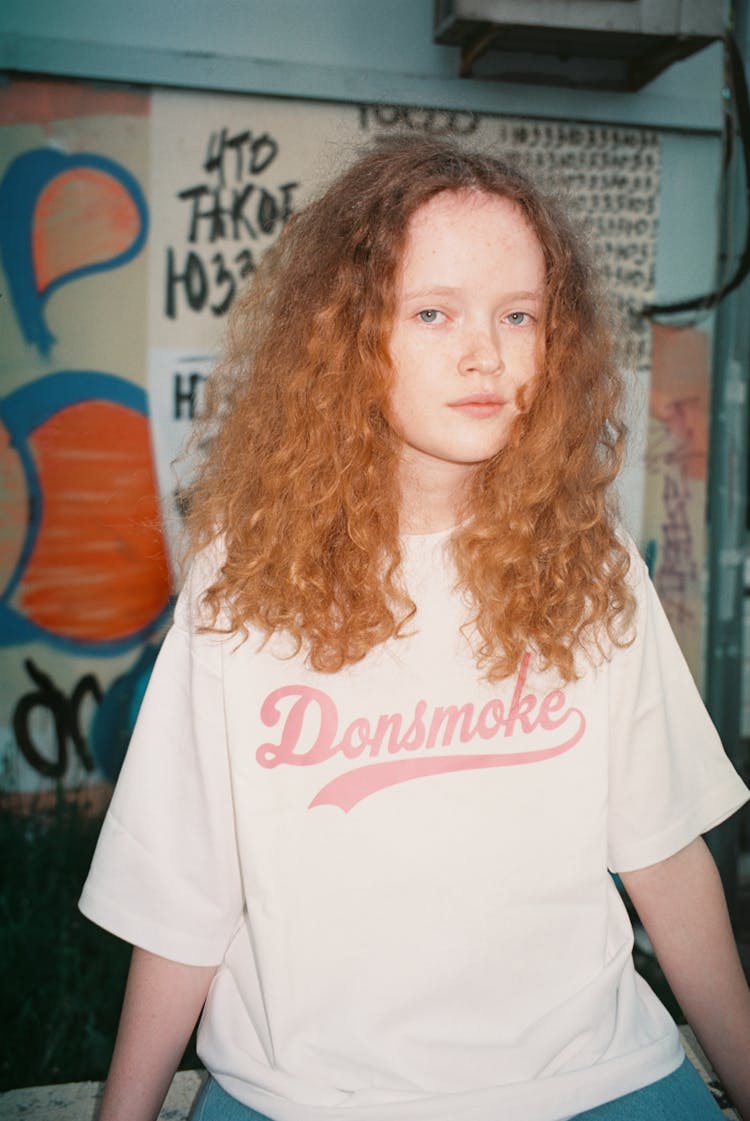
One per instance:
(681, 904)
(163, 1000)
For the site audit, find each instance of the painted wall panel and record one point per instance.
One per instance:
(85, 579)
(130, 221)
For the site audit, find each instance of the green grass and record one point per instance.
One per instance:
(63, 977)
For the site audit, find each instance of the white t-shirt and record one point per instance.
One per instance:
(402, 870)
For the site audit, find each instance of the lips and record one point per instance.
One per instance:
(479, 405)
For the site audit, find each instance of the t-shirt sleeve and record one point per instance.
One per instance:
(670, 779)
(165, 874)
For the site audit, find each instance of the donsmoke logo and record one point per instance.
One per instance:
(416, 738)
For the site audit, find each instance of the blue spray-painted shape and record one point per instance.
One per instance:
(114, 719)
(20, 189)
(650, 552)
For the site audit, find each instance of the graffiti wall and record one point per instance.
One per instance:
(128, 222)
(676, 459)
(84, 585)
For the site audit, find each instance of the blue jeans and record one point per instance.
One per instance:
(681, 1096)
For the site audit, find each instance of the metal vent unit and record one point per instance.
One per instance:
(590, 44)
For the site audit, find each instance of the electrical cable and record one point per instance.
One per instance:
(741, 100)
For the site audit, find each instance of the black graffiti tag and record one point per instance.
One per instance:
(227, 209)
(431, 121)
(65, 712)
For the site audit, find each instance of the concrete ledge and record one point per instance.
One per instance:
(698, 1058)
(77, 1101)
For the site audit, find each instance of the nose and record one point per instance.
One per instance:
(481, 354)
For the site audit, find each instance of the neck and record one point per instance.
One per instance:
(432, 499)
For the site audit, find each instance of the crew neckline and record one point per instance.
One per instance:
(436, 537)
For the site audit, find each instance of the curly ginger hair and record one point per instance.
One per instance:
(300, 479)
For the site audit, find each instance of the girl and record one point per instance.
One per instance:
(419, 698)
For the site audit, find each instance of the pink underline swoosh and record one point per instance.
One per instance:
(347, 790)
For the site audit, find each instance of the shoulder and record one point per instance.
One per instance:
(652, 653)
(638, 569)
(191, 613)
(637, 578)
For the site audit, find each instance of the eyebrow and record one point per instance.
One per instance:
(441, 290)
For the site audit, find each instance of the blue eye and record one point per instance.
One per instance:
(429, 315)
(518, 318)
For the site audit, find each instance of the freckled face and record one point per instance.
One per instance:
(469, 298)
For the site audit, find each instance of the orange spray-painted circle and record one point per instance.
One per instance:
(98, 570)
